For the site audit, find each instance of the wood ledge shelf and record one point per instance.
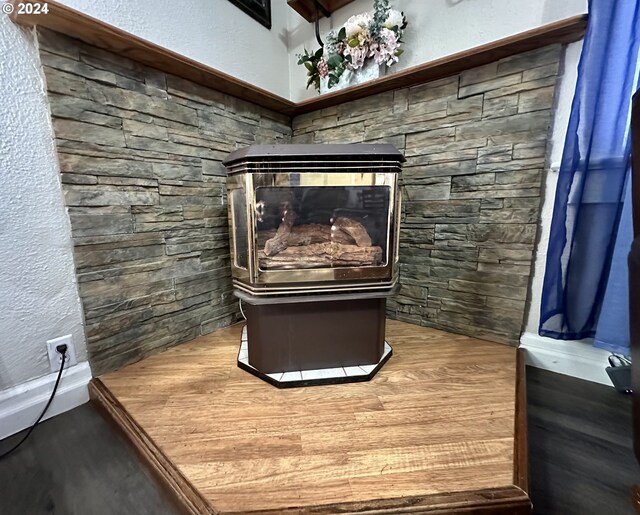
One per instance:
(76, 24)
(307, 8)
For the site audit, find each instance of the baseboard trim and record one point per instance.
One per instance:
(21, 405)
(575, 358)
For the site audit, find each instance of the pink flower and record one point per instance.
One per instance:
(385, 51)
(323, 68)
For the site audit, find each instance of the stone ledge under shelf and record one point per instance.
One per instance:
(300, 378)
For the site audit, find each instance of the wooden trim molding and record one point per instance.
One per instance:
(78, 25)
(508, 500)
(307, 8)
(564, 31)
(635, 498)
(95, 32)
(182, 493)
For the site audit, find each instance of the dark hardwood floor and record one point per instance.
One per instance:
(77, 464)
(580, 458)
(580, 446)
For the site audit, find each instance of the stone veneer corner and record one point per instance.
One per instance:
(140, 153)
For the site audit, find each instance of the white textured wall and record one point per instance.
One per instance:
(213, 32)
(564, 98)
(38, 295)
(436, 27)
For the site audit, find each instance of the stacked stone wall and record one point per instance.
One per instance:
(476, 147)
(140, 159)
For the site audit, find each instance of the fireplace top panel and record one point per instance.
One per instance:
(355, 153)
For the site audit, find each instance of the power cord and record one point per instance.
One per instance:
(62, 349)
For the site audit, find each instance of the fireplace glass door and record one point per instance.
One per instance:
(312, 227)
(315, 230)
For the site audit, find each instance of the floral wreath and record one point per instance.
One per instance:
(363, 37)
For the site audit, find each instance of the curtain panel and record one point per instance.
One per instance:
(593, 173)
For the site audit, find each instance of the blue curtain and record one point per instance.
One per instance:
(593, 174)
(612, 331)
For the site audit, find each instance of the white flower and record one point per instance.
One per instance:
(357, 24)
(395, 19)
(358, 55)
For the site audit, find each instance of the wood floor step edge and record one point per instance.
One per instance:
(181, 491)
(521, 440)
(507, 500)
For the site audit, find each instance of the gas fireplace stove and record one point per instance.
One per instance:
(314, 237)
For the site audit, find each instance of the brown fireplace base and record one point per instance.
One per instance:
(291, 336)
(300, 341)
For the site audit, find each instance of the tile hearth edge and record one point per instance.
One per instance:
(312, 377)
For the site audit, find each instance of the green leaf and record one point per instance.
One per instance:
(318, 54)
(354, 42)
(348, 58)
(342, 34)
(399, 52)
(334, 61)
(309, 66)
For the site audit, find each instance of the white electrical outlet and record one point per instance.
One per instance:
(55, 358)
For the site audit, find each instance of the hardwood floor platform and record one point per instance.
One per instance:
(433, 432)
